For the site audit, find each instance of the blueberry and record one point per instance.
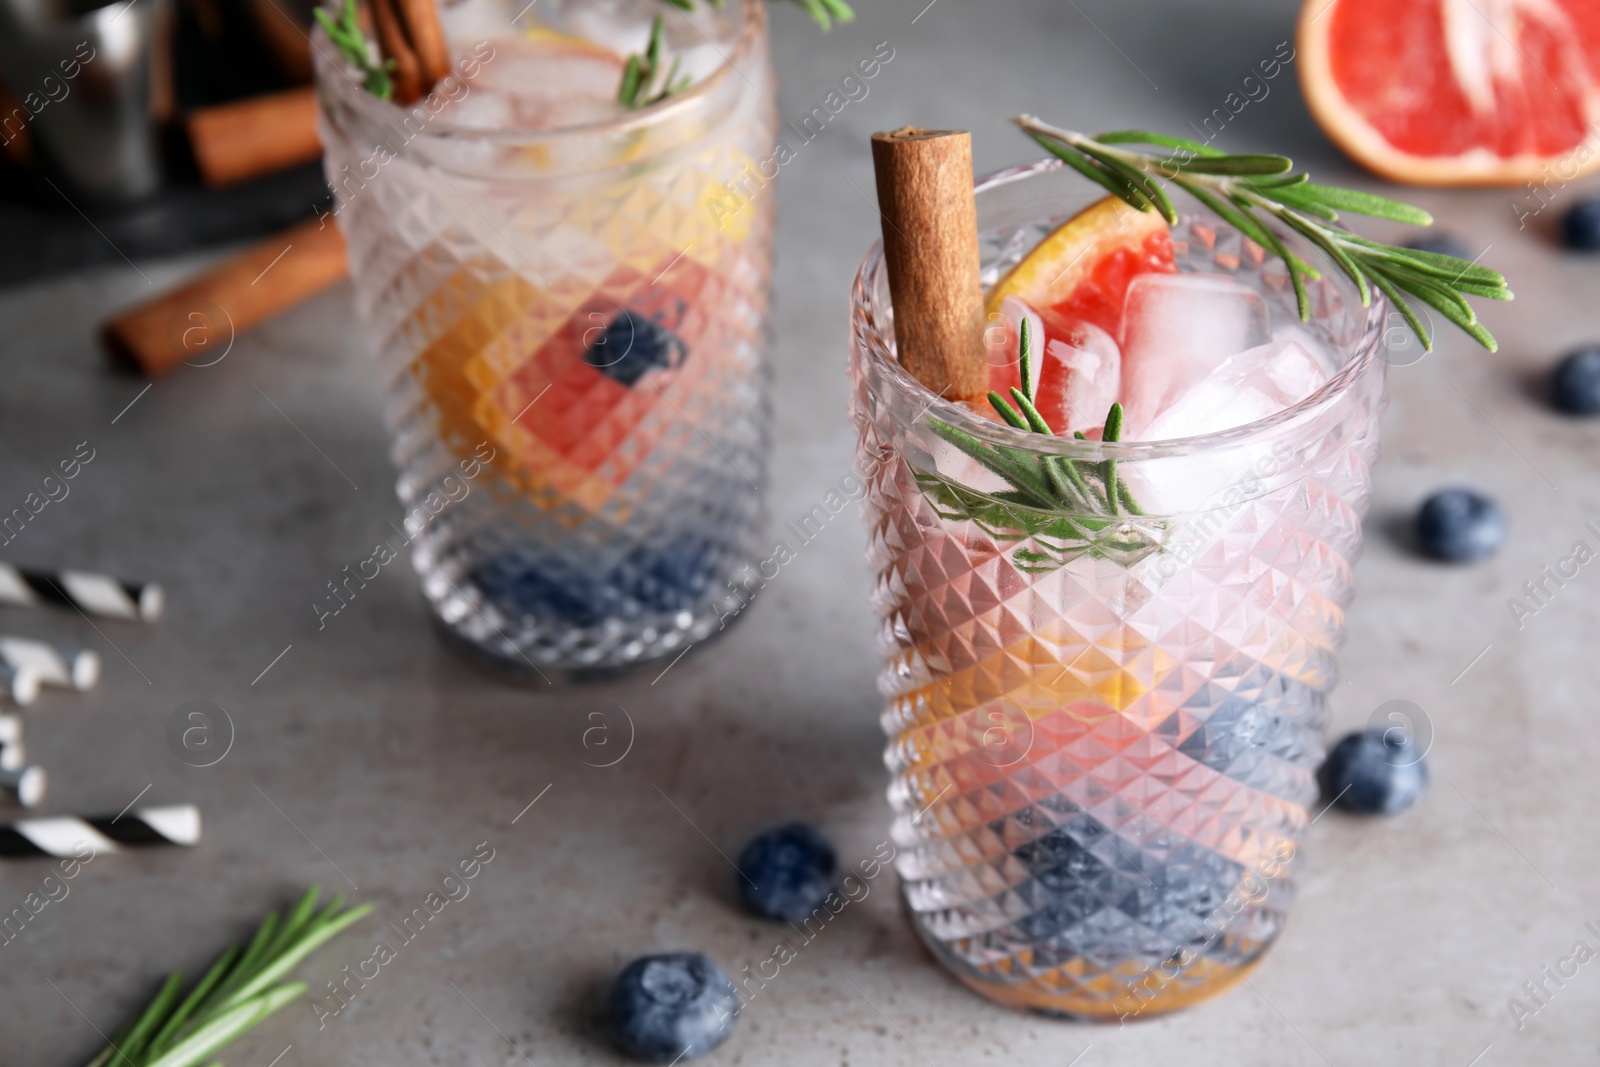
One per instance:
(667, 576)
(1460, 526)
(1580, 226)
(1441, 242)
(670, 1007)
(632, 345)
(673, 576)
(1374, 772)
(1575, 383)
(788, 872)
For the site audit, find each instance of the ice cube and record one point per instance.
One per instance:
(1251, 385)
(1176, 330)
(1076, 366)
(1080, 376)
(1208, 407)
(483, 111)
(1292, 372)
(1319, 349)
(547, 82)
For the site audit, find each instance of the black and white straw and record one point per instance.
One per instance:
(21, 686)
(24, 785)
(69, 668)
(12, 757)
(69, 835)
(93, 594)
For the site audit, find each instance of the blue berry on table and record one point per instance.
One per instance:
(671, 1007)
(1441, 242)
(787, 872)
(1580, 226)
(1460, 526)
(1575, 382)
(1374, 772)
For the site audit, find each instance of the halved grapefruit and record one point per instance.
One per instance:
(1457, 92)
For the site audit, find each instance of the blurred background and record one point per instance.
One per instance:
(119, 137)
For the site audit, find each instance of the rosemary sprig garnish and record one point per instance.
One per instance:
(825, 12)
(346, 34)
(242, 988)
(1065, 495)
(638, 74)
(1241, 189)
(643, 80)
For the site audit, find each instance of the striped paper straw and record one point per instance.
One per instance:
(21, 686)
(25, 785)
(93, 594)
(69, 668)
(11, 754)
(60, 835)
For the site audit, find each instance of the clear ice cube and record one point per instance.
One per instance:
(1081, 376)
(1251, 385)
(1177, 329)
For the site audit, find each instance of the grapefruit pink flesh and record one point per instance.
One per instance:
(1075, 281)
(1457, 91)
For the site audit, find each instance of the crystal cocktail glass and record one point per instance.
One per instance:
(569, 326)
(1104, 730)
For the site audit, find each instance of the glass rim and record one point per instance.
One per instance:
(349, 92)
(865, 320)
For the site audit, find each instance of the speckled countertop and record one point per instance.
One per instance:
(370, 759)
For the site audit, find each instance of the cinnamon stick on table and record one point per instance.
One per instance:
(930, 246)
(248, 138)
(196, 322)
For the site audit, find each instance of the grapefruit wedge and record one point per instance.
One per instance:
(1457, 92)
(1081, 270)
(1074, 282)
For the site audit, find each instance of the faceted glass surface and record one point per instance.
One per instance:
(1101, 767)
(570, 332)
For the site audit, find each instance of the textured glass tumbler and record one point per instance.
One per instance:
(1103, 742)
(569, 328)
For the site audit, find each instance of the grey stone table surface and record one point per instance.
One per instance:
(368, 758)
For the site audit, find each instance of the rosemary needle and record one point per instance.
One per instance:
(344, 30)
(1052, 483)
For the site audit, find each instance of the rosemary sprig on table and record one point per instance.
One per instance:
(1241, 189)
(242, 988)
(1066, 505)
(346, 34)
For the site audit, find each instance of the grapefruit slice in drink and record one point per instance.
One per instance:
(1457, 92)
(1075, 280)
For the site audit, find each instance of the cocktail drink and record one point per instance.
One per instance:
(567, 297)
(1105, 711)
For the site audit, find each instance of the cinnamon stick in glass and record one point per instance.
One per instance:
(395, 44)
(930, 247)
